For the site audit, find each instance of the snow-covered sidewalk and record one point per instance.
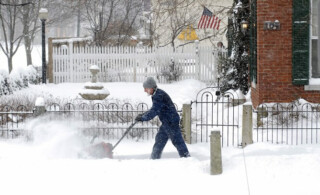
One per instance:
(271, 169)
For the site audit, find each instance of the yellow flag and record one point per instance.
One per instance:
(188, 34)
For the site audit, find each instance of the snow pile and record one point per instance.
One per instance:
(39, 101)
(54, 139)
(181, 92)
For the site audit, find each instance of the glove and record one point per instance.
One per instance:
(139, 117)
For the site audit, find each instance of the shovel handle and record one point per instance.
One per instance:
(125, 133)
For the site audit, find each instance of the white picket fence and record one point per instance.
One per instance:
(132, 64)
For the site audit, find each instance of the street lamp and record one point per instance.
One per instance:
(43, 15)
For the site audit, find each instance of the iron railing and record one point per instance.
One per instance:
(294, 123)
(106, 121)
(12, 120)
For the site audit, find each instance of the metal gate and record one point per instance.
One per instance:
(216, 111)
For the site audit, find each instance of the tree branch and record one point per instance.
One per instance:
(15, 5)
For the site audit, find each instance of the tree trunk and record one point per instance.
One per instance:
(172, 44)
(28, 55)
(10, 64)
(28, 49)
(78, 21)
(27, 32)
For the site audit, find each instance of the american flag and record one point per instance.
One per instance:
(208, 20)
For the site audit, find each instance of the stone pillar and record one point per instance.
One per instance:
(39, 108)
(247, 125)
(186, 116)
(215, 153)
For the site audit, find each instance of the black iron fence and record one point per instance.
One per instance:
(294, 123)
(106, 121)
(12, 120)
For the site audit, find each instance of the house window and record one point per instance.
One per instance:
(314, 43)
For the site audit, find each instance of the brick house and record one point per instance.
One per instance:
(284, 63)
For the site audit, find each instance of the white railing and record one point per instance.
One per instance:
(71, 63)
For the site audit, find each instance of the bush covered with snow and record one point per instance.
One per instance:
(4, 85)
(171, 72)
(19, 78)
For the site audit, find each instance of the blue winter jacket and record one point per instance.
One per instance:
(163, 107)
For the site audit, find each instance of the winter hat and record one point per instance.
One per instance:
(150, 83)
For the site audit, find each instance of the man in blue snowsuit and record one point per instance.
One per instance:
(163, 107)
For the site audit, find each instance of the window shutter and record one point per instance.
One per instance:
(300, 42)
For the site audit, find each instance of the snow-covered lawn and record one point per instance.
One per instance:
(50, 165)
(181, 92)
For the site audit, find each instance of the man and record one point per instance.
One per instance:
(163, 107)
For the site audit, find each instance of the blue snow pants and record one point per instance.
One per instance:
(165, 132)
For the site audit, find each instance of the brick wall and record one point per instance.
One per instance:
(274, 57)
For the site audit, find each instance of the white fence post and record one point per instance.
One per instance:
(197, 64)
(69, 68)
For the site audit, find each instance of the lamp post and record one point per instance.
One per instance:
(43, 15)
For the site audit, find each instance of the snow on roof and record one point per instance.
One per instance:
(70, 40)
(90, 84)
(43, 10)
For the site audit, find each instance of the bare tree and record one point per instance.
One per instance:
(29, 19)
(99, 14)
(20, 22)
(131, 11)
(112, 21)
(29, 13)
(170, 18)
(8, 20)
(64, 13)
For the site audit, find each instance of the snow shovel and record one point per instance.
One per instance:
(103, 149)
